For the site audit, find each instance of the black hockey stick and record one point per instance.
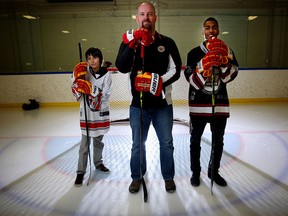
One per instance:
(141, 131)
(86, 121)
(213, 129)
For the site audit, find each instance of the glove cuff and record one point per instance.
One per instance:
(128, 36)
(156, 84)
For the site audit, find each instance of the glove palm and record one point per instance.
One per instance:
(217, 45)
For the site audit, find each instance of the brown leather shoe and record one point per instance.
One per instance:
(170, 185)
(134, 186)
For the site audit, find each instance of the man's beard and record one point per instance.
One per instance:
(147, 25)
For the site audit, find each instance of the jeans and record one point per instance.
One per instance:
(197, 128)
(162, 121)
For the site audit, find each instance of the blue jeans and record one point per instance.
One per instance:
(162, 121)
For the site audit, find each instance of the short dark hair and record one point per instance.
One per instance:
(211, 19)
(95, 52)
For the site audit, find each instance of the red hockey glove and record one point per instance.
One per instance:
(132, 37)
(207, 62)
(148, 82)
(80, 70)
(217, 45)
(82, 86)
(147, 39)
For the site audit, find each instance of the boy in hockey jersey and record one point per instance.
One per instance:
(208, 102)
(92, 81)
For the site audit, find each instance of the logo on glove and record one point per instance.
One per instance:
(148, 82)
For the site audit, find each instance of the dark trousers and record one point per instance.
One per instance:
(197, 128)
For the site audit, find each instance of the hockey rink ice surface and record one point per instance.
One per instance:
(39, 153)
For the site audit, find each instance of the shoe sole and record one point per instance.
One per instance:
(106, 172)
(133, 191)
(103, 171)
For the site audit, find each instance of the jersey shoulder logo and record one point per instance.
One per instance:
(161, 49)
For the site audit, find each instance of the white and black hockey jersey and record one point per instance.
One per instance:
(201, 88)
(96, 110)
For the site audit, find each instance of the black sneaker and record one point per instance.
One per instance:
(218, 179)
(135, 186)
(79, 180)
(195, 180)
(170, 186)
(102, 168)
